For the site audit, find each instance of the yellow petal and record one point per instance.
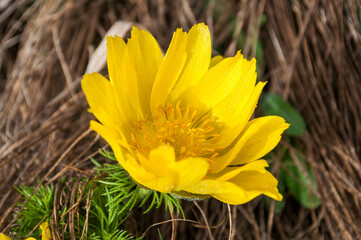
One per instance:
(237, 108)
(169, 70)
(266, 132)
(248, 185)
(4, 237)
(153, 172)
(161, 171)
(235, 115)
(115, 52)
(241, 185)
(123, 77)
(215, 60)
(146, 178)
(108, 133)
(159, 160)
(146, 57)
(100, 97)
(231, 172)
(212, 183)
(205, 187)
(114, 137)
(45, 231)
(219, 81)
(190, 170)
(261, 136)
(198, 50)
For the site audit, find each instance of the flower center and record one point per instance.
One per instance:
(188, 132)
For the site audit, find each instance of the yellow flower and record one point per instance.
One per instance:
(4, 237)
(45, 233)
(180, 123)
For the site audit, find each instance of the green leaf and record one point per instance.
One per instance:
(273, 104)
(160, 235)
(97, 164)
(262, 20)
(301, 182)
(39, 206)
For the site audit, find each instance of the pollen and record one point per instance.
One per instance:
(190, 133)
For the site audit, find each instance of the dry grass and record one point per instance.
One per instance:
(312, 57)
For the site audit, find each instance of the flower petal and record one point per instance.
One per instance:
(191, 170)
(45, 231)
(159, 161)
(261, 135)
(169, 70)
(148, 179)
(215, 60)
(146, 57)
(100, 96)
(160, 171)
(237, 108)
(122, 77)
(4, 237)
(246, 183)
(115, 52)
(218, 82)
(155, 171)
(115, 139)
(198, 51)
(231, 172)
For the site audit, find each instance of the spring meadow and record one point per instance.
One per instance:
(185, 119)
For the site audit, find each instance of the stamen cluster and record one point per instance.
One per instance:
(180, 127)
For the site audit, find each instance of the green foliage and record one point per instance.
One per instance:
(36, 210)
(297, 179)
(160, 235)
(119, 188)
(105, 220)
(114, 195)
(273, 104)
(301, 182)
(169, 201)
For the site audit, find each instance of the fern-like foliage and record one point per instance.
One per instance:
(105, 220)
(37, 209)
(112, 194)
